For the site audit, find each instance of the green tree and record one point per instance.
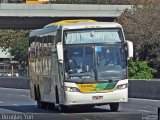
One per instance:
(16, 1)
(17, 42)
(117, 2)
(142, 27)
(140, 70)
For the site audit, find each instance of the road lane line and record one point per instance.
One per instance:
(14, 104)
(23, 95)
(86, 119)
(140, 99)
(144, 111)
(1, 102)
(18, 95)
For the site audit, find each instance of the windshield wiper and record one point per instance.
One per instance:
(79, 75)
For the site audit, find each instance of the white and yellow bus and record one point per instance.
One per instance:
(79, 63)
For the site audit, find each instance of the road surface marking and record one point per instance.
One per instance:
(144, 111)
(140, 99)
(23, 95)
(63, 113)
(86, 119)
(14, 104)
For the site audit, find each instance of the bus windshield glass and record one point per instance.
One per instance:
(95, 63)
(110, 35)
(110, 62)
(79, 62)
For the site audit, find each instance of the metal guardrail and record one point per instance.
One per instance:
(3, 1)
(148, 89)
(12, 1)
(14, 82)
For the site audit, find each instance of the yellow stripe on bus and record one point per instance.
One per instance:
(91, 88)
(63, 22)
(36, 1)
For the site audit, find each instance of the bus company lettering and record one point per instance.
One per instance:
(87, 86)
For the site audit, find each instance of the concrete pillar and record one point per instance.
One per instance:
(4, 1)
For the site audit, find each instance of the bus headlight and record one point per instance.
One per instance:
(71, 89)
(122, 86)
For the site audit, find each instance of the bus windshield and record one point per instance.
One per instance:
(79, 62)
(94, 63)
(106, 35)
(111, 62)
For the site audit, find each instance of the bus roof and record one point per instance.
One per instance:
(53, 26)
(91, 25)
(64, 22)
(74, 24)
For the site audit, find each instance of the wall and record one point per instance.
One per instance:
(17, 82)
(147, 89)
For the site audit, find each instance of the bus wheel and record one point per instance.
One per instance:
(159, 113)
(35, 92)
(40, 104)
(57, 96)
(63, 108)
(114, 107)
(51, 106)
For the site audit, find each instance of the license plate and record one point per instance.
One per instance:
(97, 97)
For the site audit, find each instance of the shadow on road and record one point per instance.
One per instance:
(34, 109)
(24, 109)
(73, 114)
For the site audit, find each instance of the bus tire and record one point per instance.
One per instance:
(63, 108)
(159, 113)
(35, 92)
(114, 107)
(40, 104)
(60, 108)
(51, 106)
(57, 96)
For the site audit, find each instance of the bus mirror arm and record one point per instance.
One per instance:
(60, 52)
(130, 49)
(61, 61)
(97, 60)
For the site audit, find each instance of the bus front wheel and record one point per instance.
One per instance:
(114, 107)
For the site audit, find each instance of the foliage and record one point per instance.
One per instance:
(142, 27)
(119, 2)
(16, 1)
(17, 42)
(140, 70)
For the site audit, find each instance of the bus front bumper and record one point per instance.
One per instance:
(78, 98)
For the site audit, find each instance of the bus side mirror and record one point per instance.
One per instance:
(60, 52)
(130, 49)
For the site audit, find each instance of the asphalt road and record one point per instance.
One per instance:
(16, 104)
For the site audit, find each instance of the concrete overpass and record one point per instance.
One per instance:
(27, 16)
